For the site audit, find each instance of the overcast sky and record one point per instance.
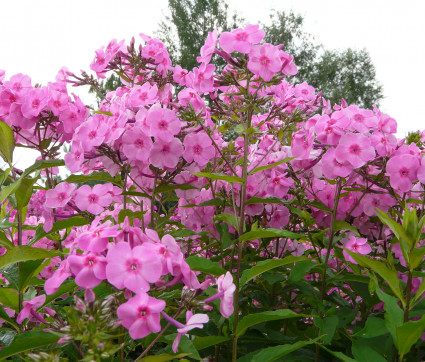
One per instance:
(38, 37)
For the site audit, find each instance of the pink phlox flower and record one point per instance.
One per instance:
(96, 239)
(384, 143)
(192, 321)
(89, 269)
(332, 168)
(241, 40)
(163, 123)
(143, 95)
(133, 268)
(35, 101)
(60, 195)
(226, 287)
(305, 92)
(19, 84)
(30, 307)
(280, 217)
(170, 255)
(52, 284)
(92, 133)
(93, 200)
(198, 147)
(100, 62)
(141, 315)
(190, 96)
(302, 144)
(264, 61)
(154, 49)
(166, 154)
(179, 75)
(136, 144)
(371, 202)
(278, 184)
(403, 171)
(203, 80)
(288, 65)
(357, 245)
(355, 149)
(208, 48)
(362, 120)
(58, 102)
(75, 158)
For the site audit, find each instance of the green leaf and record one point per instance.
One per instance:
(24, 192)
(416, 256)
(262, 168)
(7, 336)
(165, 188)
(273, 353)
(9, 298)
(253, 319)
(396, 228)
(131, 215)
(9, 190)
(339, 355)
(59, 225)
(229, 218)
(42, 164)
(374, 327)
(4, 241)
(7, 142)
(265, 200)
(24, 253)
(208, 341)
(225, 238)
(28, 341)
(267, 265)
(94, 176)
(63, 289)
(390, 276)
(205, 265)
(343, 225)
(299, 270)
(420, 291)
(269, 233)
(408, 334)
(220, 176)
(393, 313)
(163, 357)
(5, 317)
(327, 327)
(362, 351)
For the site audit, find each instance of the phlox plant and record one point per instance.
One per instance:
(210, 214)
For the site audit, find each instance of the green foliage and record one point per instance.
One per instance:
(346, 73)
(186, 28)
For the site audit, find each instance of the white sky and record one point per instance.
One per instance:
(38, 37)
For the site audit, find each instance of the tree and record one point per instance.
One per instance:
(184, 31)
(344, 73)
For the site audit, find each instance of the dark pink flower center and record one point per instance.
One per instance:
(404, 172)
(241, 37)
(355, 149)
(139, 143)
(93, 198)
(197, 149)
(62, 196)
(163, 125)
(90, 261)
(304, 91)
(92, 134)
(35, 103)
(264, 61)
(358, 118)
(165, 149)
(143, 312)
